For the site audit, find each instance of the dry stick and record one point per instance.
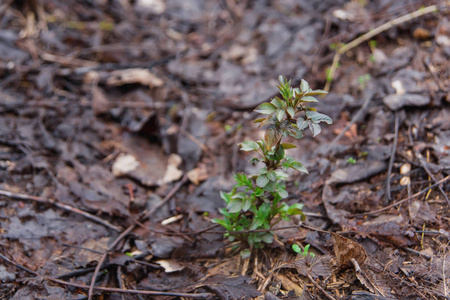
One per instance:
(320, 288)
(59, 205)
(391, 160)
(110, 290)
(371, 34)
(424, 165)
(404, 200)
(167, 198)
(102, 260)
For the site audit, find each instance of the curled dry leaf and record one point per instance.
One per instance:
(345, 250)
(170, 265)
(198, 174)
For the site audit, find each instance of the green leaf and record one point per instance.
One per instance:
(239, 195)
(316, 92)
(295, 209)
(267, 238)
(262, 181)
(291, 111)
(315, 128)
(272, 137)
(263, 170)
(272, 175)
(281, 113)
(270, 187)
(297, 134)
(258, 192)
(266, 108)
(235, 205)
(225, 197)
(279, 155)
(283, 193)
(259, 120)
(249, 146)
(302, 123)
(288, 146)
(246, 204)
(281, 175)
(221, 223)
(296, 248)
(277, 102)
(254, 161)
(304, 86)
(282, 79)
(318, 117)
(308, 99)
(299, 167)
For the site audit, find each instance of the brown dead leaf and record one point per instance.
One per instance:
(198, 174)
(345, 250)
(170, 265)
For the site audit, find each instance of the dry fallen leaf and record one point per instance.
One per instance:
(170, 265)
(198, 174)
(172, 172)
(345, 250)
(124, 164)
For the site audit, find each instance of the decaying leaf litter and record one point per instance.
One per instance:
(118, 129)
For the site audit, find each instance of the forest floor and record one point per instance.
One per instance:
(119, 125)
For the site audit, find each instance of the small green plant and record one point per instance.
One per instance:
(256, 202)
(363, 80)
(305, 252)
(351, 160)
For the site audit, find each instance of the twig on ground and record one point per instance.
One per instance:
(424, 166)
(371, 34)
(102, 260)
(320, 288)
(59, 205)
(128, 230)
(104, 289)
(391, 160)
(166, 199)
(404, 200)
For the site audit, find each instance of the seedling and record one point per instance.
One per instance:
(305, 252)
(256, 202)
(363, 80)
(351, 160)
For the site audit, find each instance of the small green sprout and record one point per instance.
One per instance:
(305, 252)
(351, 160)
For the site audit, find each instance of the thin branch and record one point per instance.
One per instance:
(129, 229)
(166, 199)
(424, 166)
(367, 36)
(404, 200)
(102, 260)
(59, 205)
(320, 288)
(392, 160)
(109, 290)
